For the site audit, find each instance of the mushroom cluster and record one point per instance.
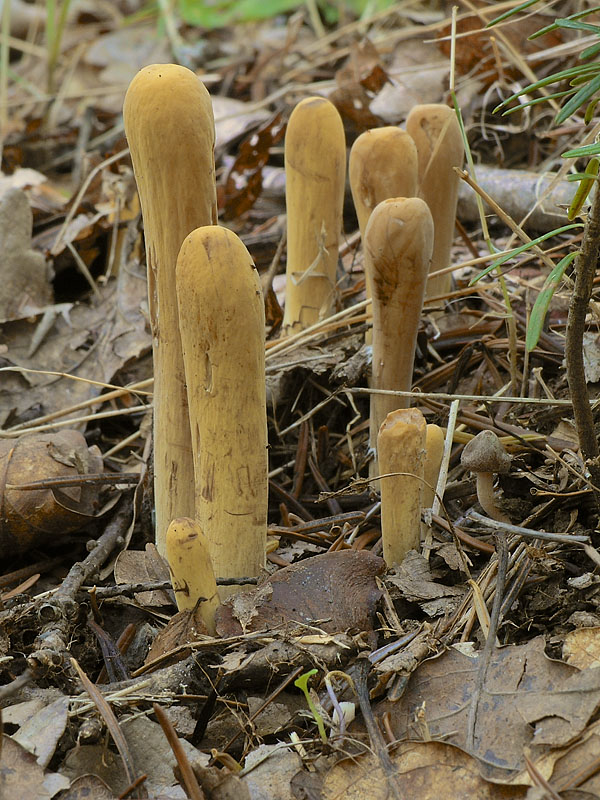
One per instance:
(210, 433)
(176, 185)
(207, 318)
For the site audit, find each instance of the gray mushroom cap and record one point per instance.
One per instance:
(485, 453)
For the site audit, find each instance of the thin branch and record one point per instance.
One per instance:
(585, 270)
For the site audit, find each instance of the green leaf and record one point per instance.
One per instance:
(542, 302)
(566, 22)
(590, 51)
(564, 74)
(521, 249)
(582, 96)
(578, 26)
(536, 101)
(302, 683)
(512, 12)
(587, 180)
(589, 112)
(585, 150)
(558, 23)
(580, 176)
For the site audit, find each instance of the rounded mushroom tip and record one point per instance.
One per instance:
(485, 453)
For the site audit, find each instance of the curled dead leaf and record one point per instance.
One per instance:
(31, 517)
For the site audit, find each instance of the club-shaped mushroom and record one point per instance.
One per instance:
(222, 321)
(484, 455)
(434, 446)
(170, 130)
(401, 449)
(438, 139)
(383, 164)
(192, 574)
(398, 243)
(315, 173)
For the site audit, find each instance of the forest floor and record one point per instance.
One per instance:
(469, 670)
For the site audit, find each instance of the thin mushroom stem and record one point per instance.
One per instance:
(192, 574)
(485, 495)
(401, 446)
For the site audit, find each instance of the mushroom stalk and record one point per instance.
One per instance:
(192, 574)
(437, 135)
(383, 164)
(398, 243)
(222, 321)
(401, 448)
(484, 455)
(315, 173)
(169, 125)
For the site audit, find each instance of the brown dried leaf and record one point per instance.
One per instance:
(24, 275)
(335, 592)
(581, 648)
(31, 517)
(112, 327)
(529, 704)
(361, 77)
(21, 776)
(137, 566)
(413, 581)
(425, 770)
(88, 786)
(475, 54)
(244, 180)
(186, 626)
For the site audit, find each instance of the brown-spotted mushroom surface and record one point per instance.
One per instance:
(485, 455)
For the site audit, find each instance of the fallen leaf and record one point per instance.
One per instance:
(33, 516)
(529, 703)
(42, 732)
(424, 770)
(22, 777)
(272, 775)
(143, 566)
(581, 648)
(86, 787)
(24, 274)
(335, 592)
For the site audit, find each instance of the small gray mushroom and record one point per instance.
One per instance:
(484, 455)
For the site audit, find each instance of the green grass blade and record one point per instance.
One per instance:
(590, 51)
(572, 72)
(522, 249)
(585, 150)
(512, 12)
(537, 100)
(578, 99)
(543, 300)
(586, 182)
